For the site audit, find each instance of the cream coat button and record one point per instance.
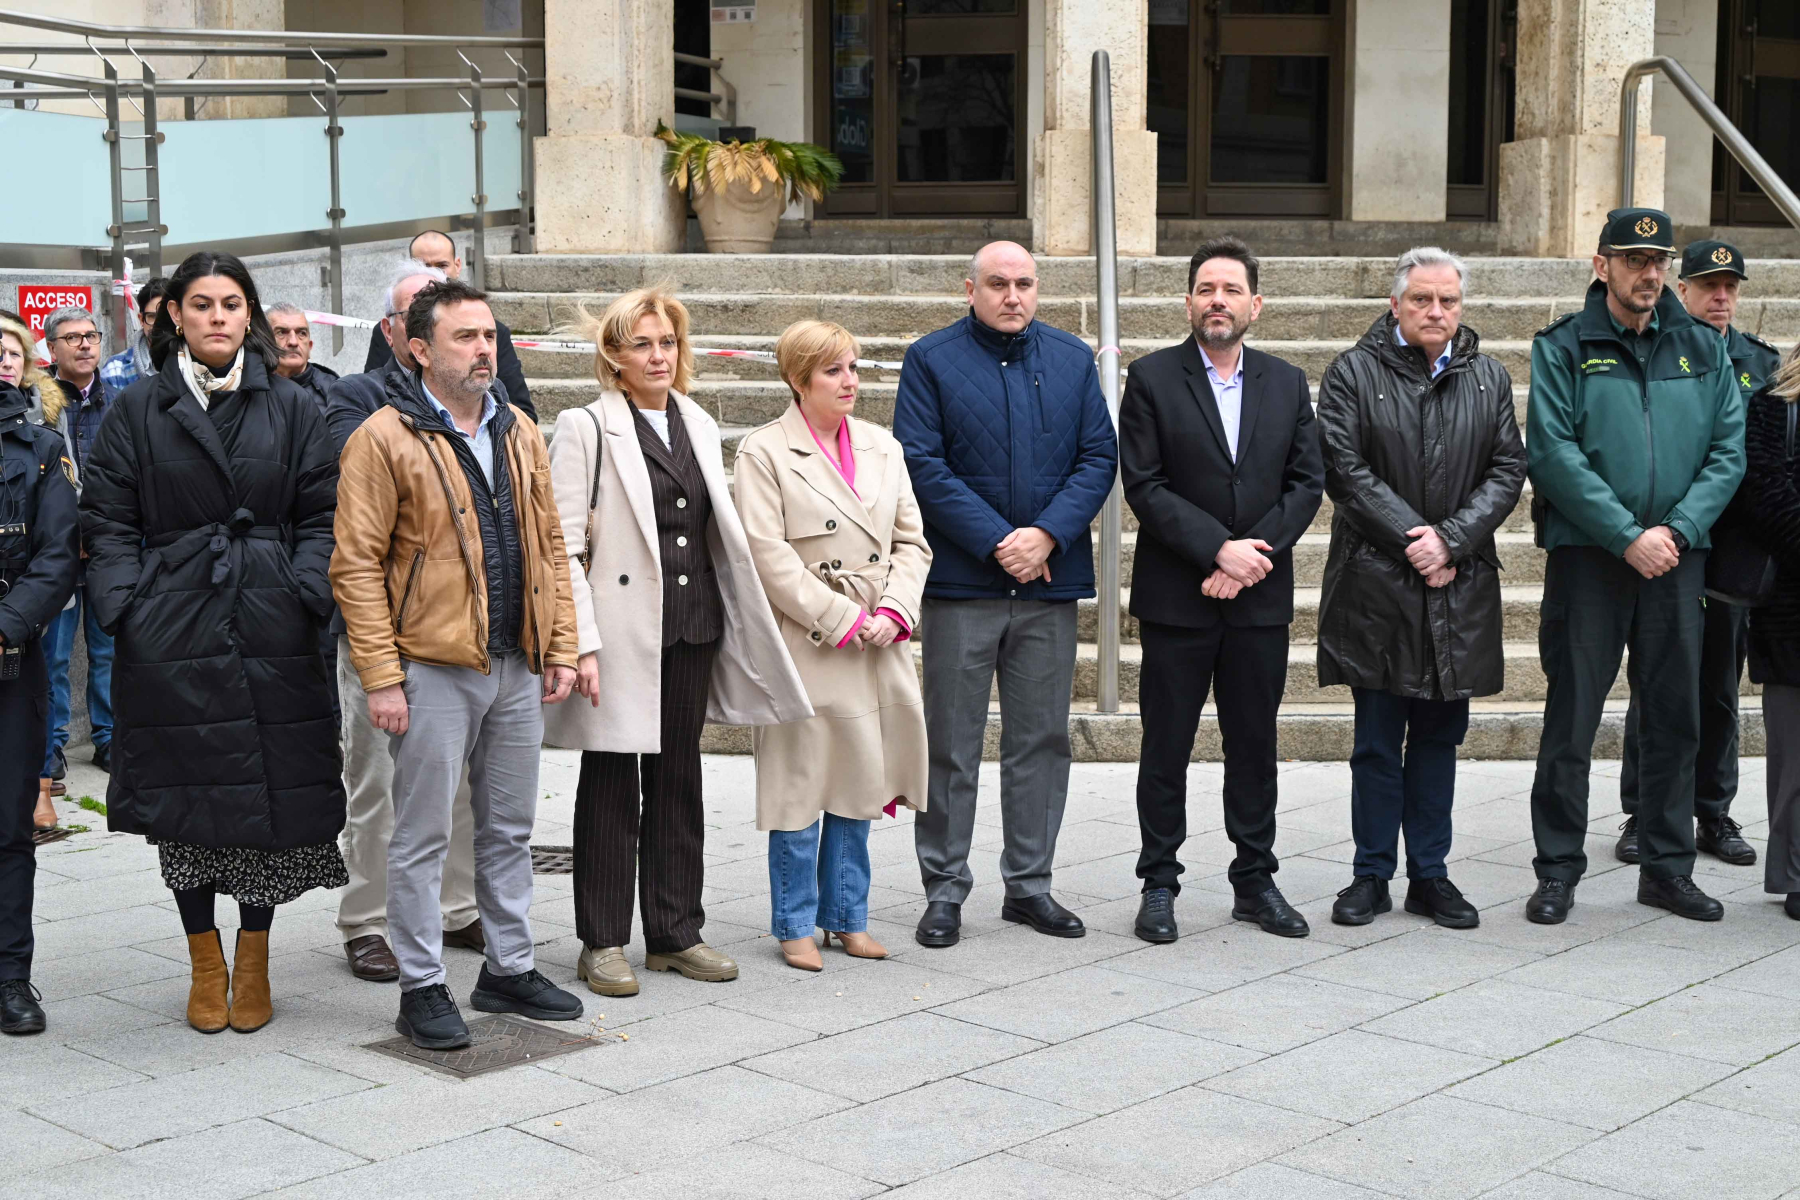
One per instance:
(681, 502)
(681, 541)
(681, 579)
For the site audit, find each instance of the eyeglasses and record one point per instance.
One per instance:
(1638, 262)
(72, 340)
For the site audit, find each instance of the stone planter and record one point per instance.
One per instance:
(736, 220)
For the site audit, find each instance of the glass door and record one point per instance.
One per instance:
(923, 101)
(1482, 36)
(1759, 86)
(1244, 96)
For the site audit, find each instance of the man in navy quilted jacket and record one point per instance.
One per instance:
(1012, 453)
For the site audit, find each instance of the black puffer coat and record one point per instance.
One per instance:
(209, 536)
(1772, 490)
(1404, 450)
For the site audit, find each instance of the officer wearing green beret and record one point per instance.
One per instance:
(1635, 436)
(1711, 273)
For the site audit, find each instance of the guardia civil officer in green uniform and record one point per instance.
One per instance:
(1635, 437)
(38, 555)
(1711, 273)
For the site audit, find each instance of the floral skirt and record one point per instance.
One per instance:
(259, 878)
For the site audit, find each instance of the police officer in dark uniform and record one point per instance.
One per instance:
(1710, 275)
(1635, 436)
(39, 550)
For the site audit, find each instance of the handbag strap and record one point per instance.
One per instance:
(586, 557)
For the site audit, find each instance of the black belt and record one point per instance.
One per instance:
(219, 539)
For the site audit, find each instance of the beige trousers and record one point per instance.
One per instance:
(369, 823)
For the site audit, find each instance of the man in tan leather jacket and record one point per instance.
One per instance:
(454, 585)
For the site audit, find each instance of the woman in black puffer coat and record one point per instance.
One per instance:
(206, 512)
(1772, 484)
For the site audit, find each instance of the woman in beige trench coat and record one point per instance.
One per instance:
(673, 630)
(836, 535)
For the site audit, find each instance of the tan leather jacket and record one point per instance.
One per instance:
(407, 572)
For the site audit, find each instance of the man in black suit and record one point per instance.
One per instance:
(1220, 461)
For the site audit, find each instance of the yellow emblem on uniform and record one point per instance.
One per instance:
(1744, 379)
(1646, 226)
(1722, 256)
(1684, 364)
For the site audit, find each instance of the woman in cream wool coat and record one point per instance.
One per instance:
(673, 631)
(828, 507)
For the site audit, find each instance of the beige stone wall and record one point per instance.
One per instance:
(1688, 32)
(769, 61)
(1399, 126)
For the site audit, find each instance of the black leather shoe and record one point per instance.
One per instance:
(1043, 914)
(1724, 840)
(1792, 905)
(529, 995)
(1627, 849)
(20, 1012)
(1156, 916)
(1550, 904)
(428, 1016)
(1440, 900)
(103, 757)
(1270, 909)
(1359, 903)
(940, 926)
(1681, 896)
(59, 764)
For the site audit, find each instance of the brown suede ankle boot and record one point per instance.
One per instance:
(207, 1009)
(251, 1007)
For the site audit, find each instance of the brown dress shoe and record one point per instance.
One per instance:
(469, 937)
(207, 1010)
(371, 958)
(699, 961)
(44, 816)
(251, 1007)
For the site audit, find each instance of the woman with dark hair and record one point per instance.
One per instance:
(207, 509)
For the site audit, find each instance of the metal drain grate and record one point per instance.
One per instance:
(43, 837)
(553, 860)
(496, 1043)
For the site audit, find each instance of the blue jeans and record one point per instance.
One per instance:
(59, 643)
(819, 881)
(1389, 792)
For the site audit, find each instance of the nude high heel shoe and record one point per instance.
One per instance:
(802, 954)
(44, 816)
(857, 945)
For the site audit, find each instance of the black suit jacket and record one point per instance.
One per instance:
(1190, 497)
(506, 366)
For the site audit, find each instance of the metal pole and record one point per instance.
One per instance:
(155, 229)
(524, 239)
(334, 136)
(477, 251)
(1735, 142)
(1106, 262)
(116, 170)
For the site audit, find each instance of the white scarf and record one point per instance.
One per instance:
(202, 383)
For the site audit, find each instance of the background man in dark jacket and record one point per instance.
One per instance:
(1710, 275)
(1220, 462)
(437, 250)
(1636, 440)
(38, 554)
(1423, 462)
(293, 337)
(1012, 454)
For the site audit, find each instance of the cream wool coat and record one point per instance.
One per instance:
(619, 601)
(825, 555)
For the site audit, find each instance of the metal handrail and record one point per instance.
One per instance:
(267, 37)
(1777, 190)
(725, 96)
(1106, 265)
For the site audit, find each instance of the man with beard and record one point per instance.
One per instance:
(1635, 437)
(1220, 461)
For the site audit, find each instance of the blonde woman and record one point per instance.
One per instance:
(674, 631)
(836, 534)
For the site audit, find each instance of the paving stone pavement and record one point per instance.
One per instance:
(1625, 1053)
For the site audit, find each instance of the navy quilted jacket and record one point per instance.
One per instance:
(1003, 431)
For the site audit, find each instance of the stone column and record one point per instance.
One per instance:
(1688, 32)
(1561, 176)
(1399, 139)
(609, 77)
(1061, 198)
(268, 15)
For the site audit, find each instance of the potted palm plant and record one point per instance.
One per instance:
(739, 188)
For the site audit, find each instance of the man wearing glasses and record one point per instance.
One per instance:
(74, 344)
(1635, 437)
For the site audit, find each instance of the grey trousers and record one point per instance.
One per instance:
(1030, 644)
(369, 822)
(1781, 734)
(494, 724)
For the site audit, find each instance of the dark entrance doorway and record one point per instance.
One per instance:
(1245, 100)
(1759, 89)
(924, 102)
(1483, 36)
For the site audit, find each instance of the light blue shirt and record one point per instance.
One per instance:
(1443, 360)
(1228, 394)
(481, 442)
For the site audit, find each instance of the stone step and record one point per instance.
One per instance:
(1321, 732)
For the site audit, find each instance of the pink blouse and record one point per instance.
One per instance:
(846, 466)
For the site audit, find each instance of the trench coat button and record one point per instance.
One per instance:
(874, 558)
(824, 566)
(624, 579)
(836, 563)
(681, 502)
(831, 524)
(681, 579)
(681, 541)
(815, 637)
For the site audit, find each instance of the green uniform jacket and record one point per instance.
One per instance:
(1617, 446)
(1753, 361)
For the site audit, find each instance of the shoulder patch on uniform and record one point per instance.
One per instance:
(1562, 320)
(69, 469)
(1752, 338)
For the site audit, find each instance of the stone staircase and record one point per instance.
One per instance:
(1315, 308)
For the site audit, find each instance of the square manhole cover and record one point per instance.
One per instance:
(553, 860)
(496, 1043)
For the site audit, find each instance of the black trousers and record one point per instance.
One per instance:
(1246, 669)
(661, 845)
(24, 719)
(1724, 646)
(1403, 776)
(1594, 607)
